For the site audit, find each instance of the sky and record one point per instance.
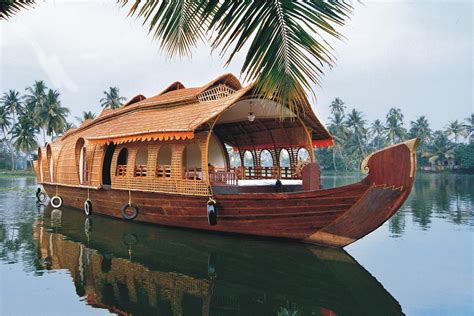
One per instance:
(414, 55)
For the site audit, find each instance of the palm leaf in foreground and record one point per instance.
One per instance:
(8, 8)
(287, 49)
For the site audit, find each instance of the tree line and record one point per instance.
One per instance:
(355, 137)
(38, 113)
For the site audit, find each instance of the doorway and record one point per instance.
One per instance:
(106, 179)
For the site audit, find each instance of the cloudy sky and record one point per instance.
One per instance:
(417, 56)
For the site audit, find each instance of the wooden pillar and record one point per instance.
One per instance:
(177, 151)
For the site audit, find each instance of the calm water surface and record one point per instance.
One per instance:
(57, 262)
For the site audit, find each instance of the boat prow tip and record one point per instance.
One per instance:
(411, 144)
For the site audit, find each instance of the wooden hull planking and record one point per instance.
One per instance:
(330, 217)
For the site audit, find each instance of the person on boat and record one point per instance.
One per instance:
(211, 167)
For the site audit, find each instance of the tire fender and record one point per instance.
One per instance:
(56, 201)
(125, 211)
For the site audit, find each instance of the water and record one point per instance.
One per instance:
(58, 262)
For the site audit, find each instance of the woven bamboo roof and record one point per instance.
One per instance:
(174, 113)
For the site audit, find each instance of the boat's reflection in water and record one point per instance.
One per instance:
(131, 268)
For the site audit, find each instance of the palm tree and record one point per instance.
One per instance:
(286, 41)
(337, 106)
(470, 127)
(67, 127)
(394, 125)
(112, 98)
(24, 137)
(52, 114)
(89, 115)
(440, 150)
(356, 124)
(5, 121)
(378, 130)
(339, 132)
(34, 99)
(11, 101)
(421, 128)
(456, 129)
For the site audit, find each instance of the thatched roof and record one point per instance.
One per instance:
(176, 113)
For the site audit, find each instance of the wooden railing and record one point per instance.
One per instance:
(193, 173)
(140, 171)
(163, 171)
(232, 175)
(121, 171)
(223, 177)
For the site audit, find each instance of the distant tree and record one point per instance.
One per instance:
(469, 126)
(11, 102)
(464, 154)
(34, 101)
(456, 129)
(24, 137)
(67, 126)
(356, 124)
(86, 115)
(394, 125)
(52, 114)
(337, 106)
(378, 130)
(5, 121)
(421, 128)
(339, 132)
(440, 150)
(112, 98)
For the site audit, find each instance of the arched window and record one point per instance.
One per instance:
(122, 163)
(266, 159)
(234, 157)
(163, 163)
(249, 164)
(49, 159)
(81, 161)
(285, 165)
(141, 161)
(192, 162)
(284, 158)
(248, 159)
(303, 155)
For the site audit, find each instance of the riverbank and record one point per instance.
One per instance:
(16, 173)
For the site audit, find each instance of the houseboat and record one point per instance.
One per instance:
(220, 157)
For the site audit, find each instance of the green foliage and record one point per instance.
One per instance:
(284, 40)
(464, 155)
(440, 150)
(112, 99)
(86, 115)
(354, 138)
(52, 114)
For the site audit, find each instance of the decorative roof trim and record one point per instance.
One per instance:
(135, 99)
(174, 86)
(120, 139)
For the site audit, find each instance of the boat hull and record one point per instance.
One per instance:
(330, 217)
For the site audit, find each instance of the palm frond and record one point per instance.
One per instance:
(8, 8)
(286, 40)
(176, 23)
